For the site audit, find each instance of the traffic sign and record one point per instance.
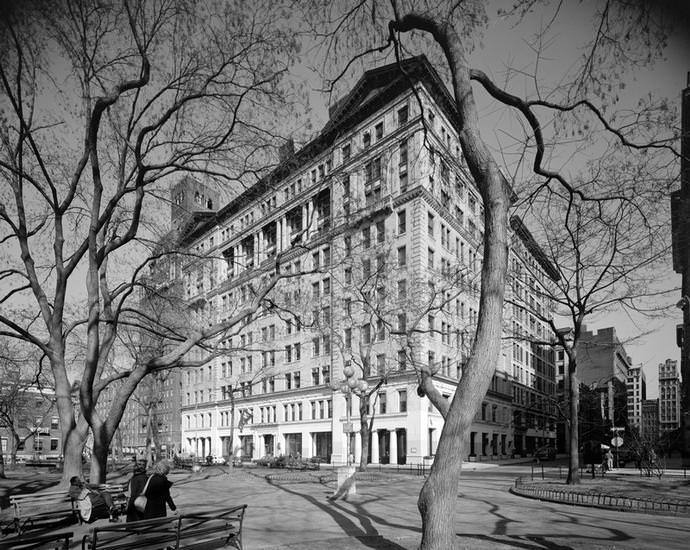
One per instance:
(617, 441)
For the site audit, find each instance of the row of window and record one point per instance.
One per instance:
(293, 412)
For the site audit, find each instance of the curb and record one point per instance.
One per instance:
(674, 507)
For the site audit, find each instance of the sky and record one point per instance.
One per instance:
(648, 341)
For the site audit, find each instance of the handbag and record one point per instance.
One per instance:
(141, 500)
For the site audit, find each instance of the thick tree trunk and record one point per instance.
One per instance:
(99, 460)
(99, 454)
(72, 451)
(574, 456)
(438, 496)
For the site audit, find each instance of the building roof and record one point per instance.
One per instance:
(373, 90)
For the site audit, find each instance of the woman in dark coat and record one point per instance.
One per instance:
(136, 486)
(158, 492)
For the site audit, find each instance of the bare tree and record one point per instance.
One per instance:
(103, 103)
(604, 256)
(453, 29)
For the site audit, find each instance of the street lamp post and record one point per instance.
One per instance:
(351, 384)
(346, 476)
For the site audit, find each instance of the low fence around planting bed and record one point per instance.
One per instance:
(602, 500)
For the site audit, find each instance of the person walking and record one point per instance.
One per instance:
(158, 492)
(136, 486)
(609, 460)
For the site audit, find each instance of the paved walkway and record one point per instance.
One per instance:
(297, 513)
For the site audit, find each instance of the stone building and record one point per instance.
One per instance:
(375, 227)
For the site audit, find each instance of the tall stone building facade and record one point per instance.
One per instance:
(375, 228)
(637, 394)
(669, 396)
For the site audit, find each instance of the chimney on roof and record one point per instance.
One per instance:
(286, 150)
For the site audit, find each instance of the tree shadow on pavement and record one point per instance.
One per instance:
(528, 542)
(40, 483)
(357, 522)
(541, 541)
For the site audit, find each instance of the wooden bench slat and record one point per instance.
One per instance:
(185, 532)
(40, 509)
(148, 533)
(37, 542)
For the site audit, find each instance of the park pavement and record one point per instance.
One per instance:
(294, 511)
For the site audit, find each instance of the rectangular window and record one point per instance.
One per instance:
(378, 131)
(373, 170)
(348, 246)
(316, 351)
(366, 237)
(403, 114)
(402, 360)
(347, 150)
(366, 333)
(402, 222)
(381, 364)
(430, 256)
(348, 338)
(402, 401)
(382, 403)
(348, 275)
(402, 256)
(380, 231)
(402, 289)
(430, 224)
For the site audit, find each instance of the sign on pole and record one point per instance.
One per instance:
(617, 441)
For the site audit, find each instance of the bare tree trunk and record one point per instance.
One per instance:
(2, 465)
(99, 461)
(438, 496)
(72, 451)
(574, 457)
(365, 432)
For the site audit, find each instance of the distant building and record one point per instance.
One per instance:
(637, 393)
(649, 431)
(602, 364)
(35, 420)
(669, 396)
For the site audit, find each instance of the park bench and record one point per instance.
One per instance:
(198, 531)
(148, 534)
(211, 529)
(52, 541)
(42, 509)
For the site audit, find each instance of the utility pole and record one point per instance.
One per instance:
(680, 221)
